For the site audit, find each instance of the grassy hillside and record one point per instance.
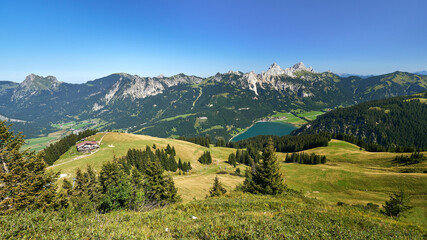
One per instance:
(351, 175)
(195, 185)
(236, 216)
(354, 176)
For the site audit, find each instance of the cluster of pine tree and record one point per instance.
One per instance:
(24, 182)
(415, 157)
(247, 157)
(220, 142)
(138, 158)
(285, 143)
(202, 141)
(117, 188)
(184, 166)
(304, 158)
(205, 158)
(134, 183)
(55, 150)
(265, 177)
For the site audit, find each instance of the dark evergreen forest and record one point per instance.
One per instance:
(396, 124)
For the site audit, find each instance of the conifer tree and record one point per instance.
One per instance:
(266, 178)
(217, 188)
(180, 164)
(397, 205)
(159, 189)
(67, 186)
(173, 166)
(86, 193)
(137, 196)
(115, 187)
(232, 159)
(24, 181)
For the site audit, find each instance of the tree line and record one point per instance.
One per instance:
(138, 158)
(54, 151)
(284, 143)
(304, 158)
(202, 141)
(415, 158)
(247, 157)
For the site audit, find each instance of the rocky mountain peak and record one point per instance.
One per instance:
(34, 85)
(33, 78)
(275, 70)
(301, 67)
(36, 82)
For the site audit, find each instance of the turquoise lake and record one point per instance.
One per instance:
(265, 128)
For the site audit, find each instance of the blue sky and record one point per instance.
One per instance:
(78, 40)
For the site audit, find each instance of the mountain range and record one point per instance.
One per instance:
(161, 106)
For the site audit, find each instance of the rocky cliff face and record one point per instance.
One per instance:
(136, 87)
(274, 78)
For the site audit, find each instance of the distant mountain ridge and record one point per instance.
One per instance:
(190, 105)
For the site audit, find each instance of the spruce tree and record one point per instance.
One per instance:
(159, 189)
(115, 187)
(25, 183)
(67, 186)
(217, 188)
(266, 177)
(137, 196)
(397, 205)
(180, 164)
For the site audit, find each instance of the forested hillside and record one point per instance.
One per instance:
(392, 123)
(219, 106)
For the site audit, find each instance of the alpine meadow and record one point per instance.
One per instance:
(122, 120)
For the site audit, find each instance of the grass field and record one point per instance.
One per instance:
(288, 118)
(235, 216)
(310, 115)
(351, 175)
(40, 143)
(354, 176)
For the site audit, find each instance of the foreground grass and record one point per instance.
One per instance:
(236, 216)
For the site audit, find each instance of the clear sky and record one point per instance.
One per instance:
(80, 40)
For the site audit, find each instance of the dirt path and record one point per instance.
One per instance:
(82, 156)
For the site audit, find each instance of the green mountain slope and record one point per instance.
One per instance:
(399, 121)
(220, 105)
